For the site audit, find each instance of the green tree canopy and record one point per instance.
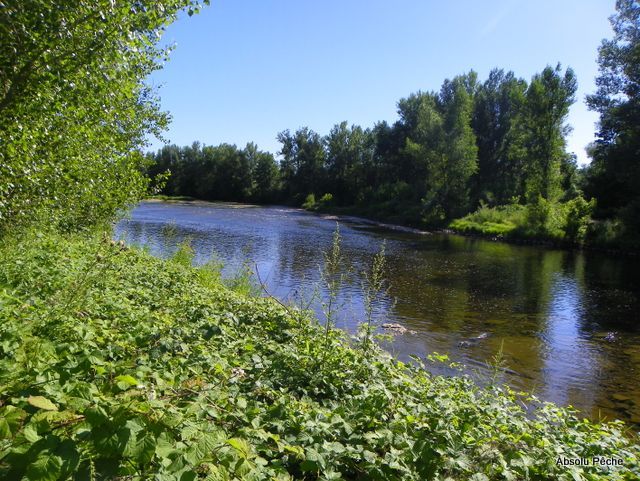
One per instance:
(440, 147)
(74, 108)
(449, 151)
(349, 151)
(614, 176)
(499, 104)
(548, 98)
(302, 163)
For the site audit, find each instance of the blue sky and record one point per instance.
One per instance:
(244, 70)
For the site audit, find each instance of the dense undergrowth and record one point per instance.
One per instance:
(561, 223)
(564, 222)
(118, 365)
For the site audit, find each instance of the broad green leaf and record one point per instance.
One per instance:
(10, 419)
(297, 450)
(5, 430)
(126, 381)
(46, 467)
(164, 447)
(204, 447)
(143, 449)
(240, 445)
(30, 433)
(479, 477)
(42, 402)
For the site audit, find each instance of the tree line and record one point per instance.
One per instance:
(497, 141)
(613, 177)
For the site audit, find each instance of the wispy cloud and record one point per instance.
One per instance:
(493, 23)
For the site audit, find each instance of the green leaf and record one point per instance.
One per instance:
(10, 419)
(189, 476)
(336, 447)
(479, 477)
(241, 446)
(5, 430)
(124, 382)
(42, 402)
(369, 456)
(315, 457)
(203, 449)
(144, 449)
(70, 456)
(96, 416)
(296, 450)
(46, 467)
(164, 448)
(30, 433)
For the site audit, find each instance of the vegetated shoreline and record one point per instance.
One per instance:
(115, 363)
(357, 214)
(540, 242)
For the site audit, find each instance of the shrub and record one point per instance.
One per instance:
(537, 217)
(578, 216)
(326, 200)
(500, 220)
(309, 202)
(542, 219)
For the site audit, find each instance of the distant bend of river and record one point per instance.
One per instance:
(568, 321)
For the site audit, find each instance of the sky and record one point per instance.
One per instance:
(244, 70)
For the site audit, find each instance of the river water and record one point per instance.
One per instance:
(567, 322)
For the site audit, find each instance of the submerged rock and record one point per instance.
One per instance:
(397, 328)
(473, 340)
(621, 397)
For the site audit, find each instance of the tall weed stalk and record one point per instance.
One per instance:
(332, 276)
(374, 288)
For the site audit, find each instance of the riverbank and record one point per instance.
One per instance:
(114, 363)
(344, 214)
(563, 227)
(487, 231)
(503, 230)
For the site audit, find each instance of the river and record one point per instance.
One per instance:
(567, 322)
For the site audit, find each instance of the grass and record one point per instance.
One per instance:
(118, 365)
(495, 221)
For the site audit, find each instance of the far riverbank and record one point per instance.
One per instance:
(405, 223)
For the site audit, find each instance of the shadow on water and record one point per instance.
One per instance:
(567, 321)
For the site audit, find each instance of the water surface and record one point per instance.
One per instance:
(568, 322)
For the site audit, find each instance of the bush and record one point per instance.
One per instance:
(541, 220)
(326, 200)
(501, 220)
(537, 218)
(310, 202)
(578, 217)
